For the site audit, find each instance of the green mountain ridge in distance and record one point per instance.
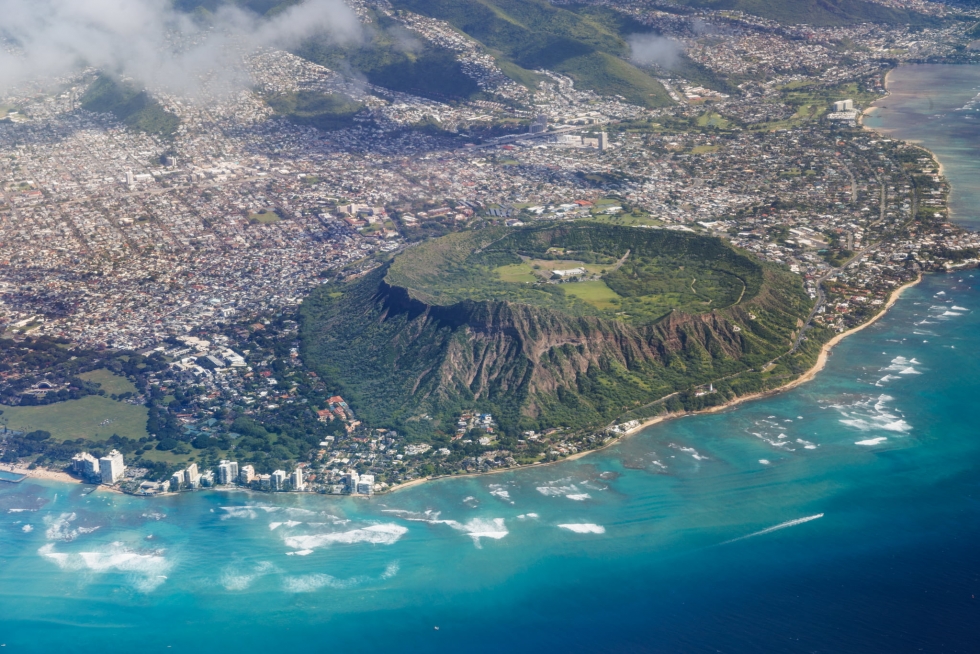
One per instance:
(133, 107)
(457, 323)
(534, 34)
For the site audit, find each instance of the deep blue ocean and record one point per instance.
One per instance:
(841, 516)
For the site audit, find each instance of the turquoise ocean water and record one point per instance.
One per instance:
(843, 516)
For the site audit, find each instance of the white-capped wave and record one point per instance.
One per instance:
(872, 415)
(952, 313)
(579, 497)
(584, 528)
(558, 487)
(248, 511)
(765, 462)
(60, 528)
(154, 515)
(145, 571)
(498, 490)
(383, 534)
(782, 525)
(313, 582)
(872, 441)
(233, 578)
(300, 553)
(27, 529)
(807, 445)
(525, 516)
(288, 523)
(690, 450)
(956, 308)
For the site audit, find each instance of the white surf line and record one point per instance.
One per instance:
(782, 525)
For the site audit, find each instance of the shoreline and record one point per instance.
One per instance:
(810, 374)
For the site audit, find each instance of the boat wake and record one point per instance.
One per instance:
(782, 525)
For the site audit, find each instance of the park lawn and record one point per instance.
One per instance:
(111, 383)
(79, 419)
(265, 217)
(595, 293)
(516, 273)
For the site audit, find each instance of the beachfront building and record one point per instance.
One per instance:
(111, 467)
(246, 475)
(177, 480)
(192, 477)
(86, 466)
(365, 485)
(296, 479)
(278, 480)
(227, 472)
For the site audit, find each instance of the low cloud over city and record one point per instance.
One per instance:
(150, 41)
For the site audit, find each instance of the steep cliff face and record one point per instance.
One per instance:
(400, 358)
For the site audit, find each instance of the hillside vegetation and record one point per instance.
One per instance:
(133, 107)
(588, 46)
(412, 343)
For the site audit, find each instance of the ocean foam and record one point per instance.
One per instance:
(584, 528)
(807, 445)
(248, 511)
(59, 528)
(313, 582)
(764, 462)
(579, 497)
(872, 441)
(874, 416)
(384, 534)
(144, 571)
(525, 516)
(690, 450)
(956, 308)
(233, 579)
(300, 553)
(27, 529)
(565, 487)
(498, 490)
(782, 525)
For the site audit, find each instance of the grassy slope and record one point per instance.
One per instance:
(534, 34)
(109, 382)
(326, 111)
(429, 72)
(133, 107)
(390, 358)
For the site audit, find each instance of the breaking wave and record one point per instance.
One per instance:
(384, 534)
(584, 528)
(60, 528)
(145, 571)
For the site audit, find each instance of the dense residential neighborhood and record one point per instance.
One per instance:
(192, 253)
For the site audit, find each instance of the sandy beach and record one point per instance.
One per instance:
(41, 473)
(54, 475)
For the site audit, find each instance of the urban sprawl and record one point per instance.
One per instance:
(194, 252)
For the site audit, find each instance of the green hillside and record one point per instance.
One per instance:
(587, 46)
(385, 60)
(476, 319)
(133, 107)
(326, 111)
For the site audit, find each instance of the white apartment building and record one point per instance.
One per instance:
(111, 467)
